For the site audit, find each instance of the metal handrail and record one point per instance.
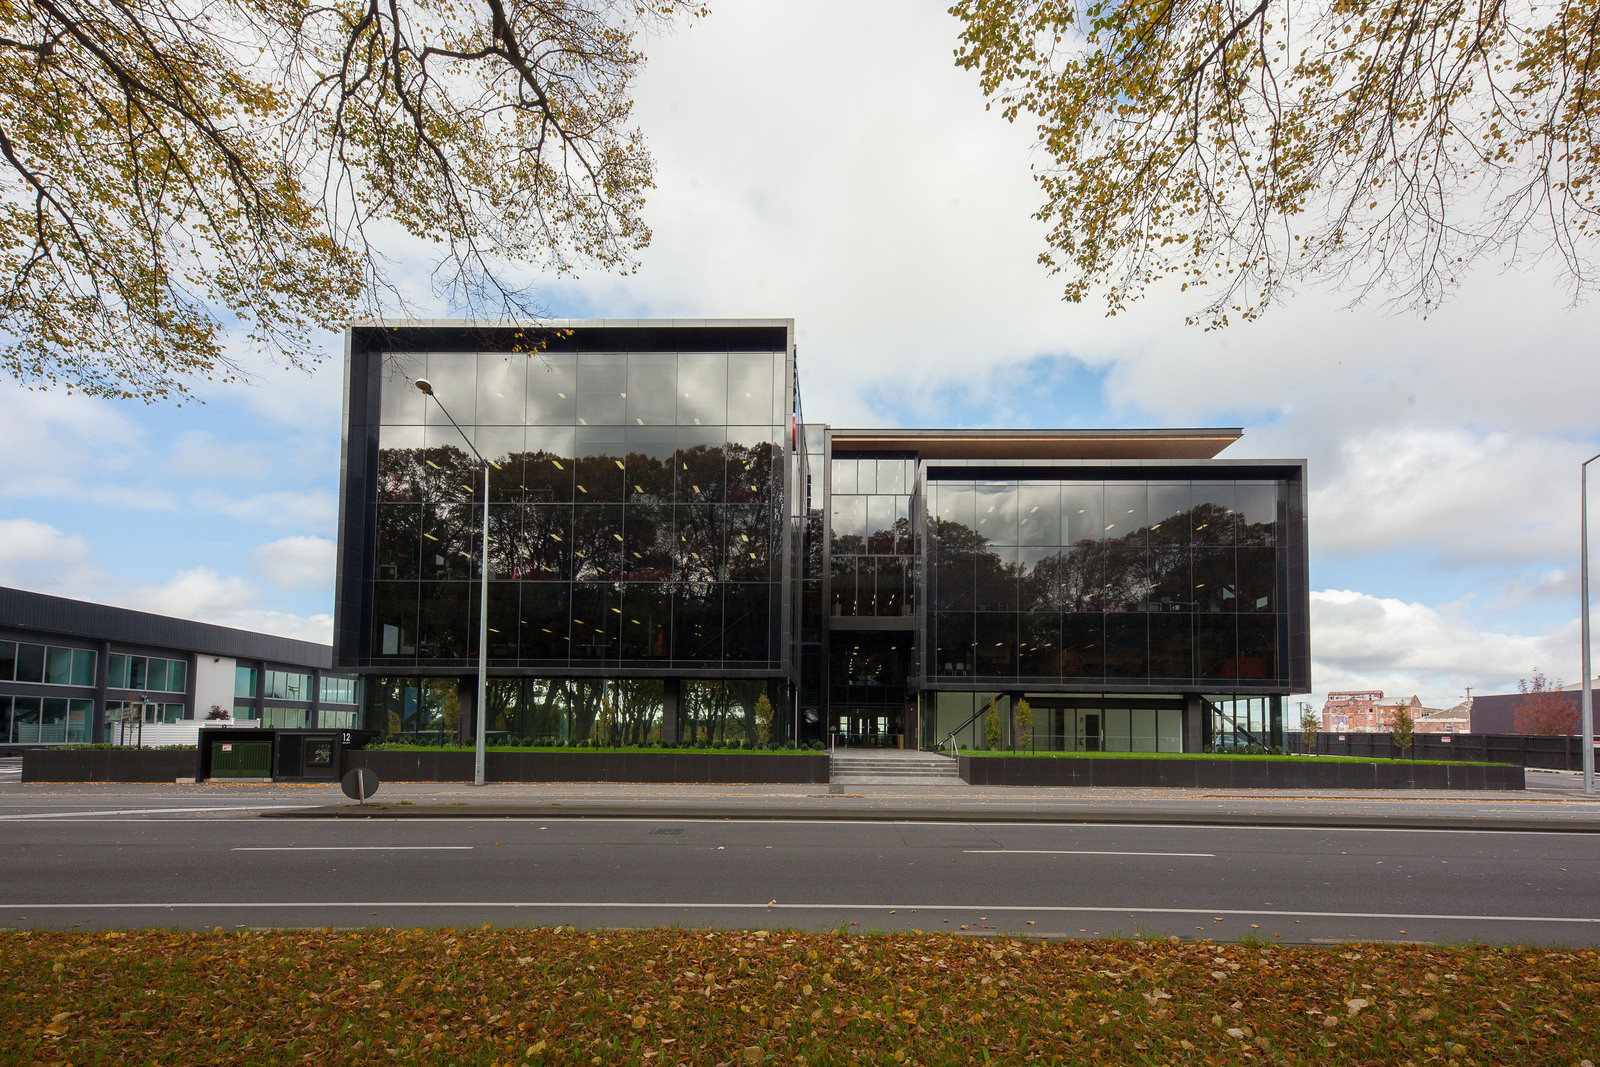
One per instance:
(951, 736)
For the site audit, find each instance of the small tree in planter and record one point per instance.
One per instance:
(1309, 726)
(1403, 732)
(763, 720)
(1024, 720)
(991, 727)
(218, 712)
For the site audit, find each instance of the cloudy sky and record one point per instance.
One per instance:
(826, 161)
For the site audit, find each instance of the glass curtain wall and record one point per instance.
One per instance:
(1164, 583)
(872, 552)
(635, 509)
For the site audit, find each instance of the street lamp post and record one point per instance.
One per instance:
(481, 709)
(1583, 587)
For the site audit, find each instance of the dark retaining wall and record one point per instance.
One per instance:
(1525, 750)
(108, 765)
(578, 766)
(1235, 773)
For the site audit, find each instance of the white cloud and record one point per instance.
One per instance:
(1359, 641)
(313, 508)
(225, 600)
(41, 558)
(295, 563)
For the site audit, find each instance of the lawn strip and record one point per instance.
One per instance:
(511, 996)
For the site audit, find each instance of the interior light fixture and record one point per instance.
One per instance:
(430, 537)
(432, 464)
(557, 462)
(623, 395)
(581, 489)
(563, 396)
(638, 420)
(583, 422)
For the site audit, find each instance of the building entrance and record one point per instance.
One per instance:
(868, 727)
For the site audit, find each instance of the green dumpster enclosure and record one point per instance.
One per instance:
(241, 759)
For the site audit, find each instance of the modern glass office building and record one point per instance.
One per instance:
(669, 542)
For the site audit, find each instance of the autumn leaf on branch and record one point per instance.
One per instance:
(1380, 148)
(185, 170)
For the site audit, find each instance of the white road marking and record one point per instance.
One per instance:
(1044, 909)
(1074, 852)
(352, 848)
(138, 811)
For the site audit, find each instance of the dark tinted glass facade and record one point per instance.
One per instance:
(668, 542)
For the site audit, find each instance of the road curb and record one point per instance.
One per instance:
(861, 813)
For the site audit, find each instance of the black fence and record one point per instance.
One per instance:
(1546, 753)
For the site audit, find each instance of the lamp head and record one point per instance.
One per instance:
(425, 385)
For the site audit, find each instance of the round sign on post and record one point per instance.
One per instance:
(359, 784)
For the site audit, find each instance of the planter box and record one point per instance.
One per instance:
(1203, 773)
(108, 765)
(579, 766)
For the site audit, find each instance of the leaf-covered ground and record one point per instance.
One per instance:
(490, 996)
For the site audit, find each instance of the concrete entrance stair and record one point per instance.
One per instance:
(887, 766)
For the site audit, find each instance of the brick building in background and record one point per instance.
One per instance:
(1369, 711)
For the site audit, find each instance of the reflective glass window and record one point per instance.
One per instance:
(1127, 645)
(1039, 576)
(700, 542)
(503, 446)
(244, 682)
(455, 388)
(30, 662)
(137, 672)
(702, 388)
(697, 624)
(401, 467)
(844, 476)
(504, 613)
(553, 389)
(1082, 514)
(995, 579)
(602, 389)
(1214, 516)
(746, 607)
(866, 475)
(995, 636)
(749, 537)
(597, 541)
(646, 621)
(448, 541)
(997, 512)
(1258, 513)
(1171, 587)
(1125, 579)
(117, 671)
(842, 586)
(544, 547)
(177, 676)
(1258, 579)
(397, 553)
(84, 662)
(849, 523)
(8, 660)
(652, 388)
(596, 620)
(58, 666)
(893, 476)
(957, 504)
(1258, 648)
(394, 619)
(750, 388)
(648, 468)
(880, 532)
(1039, 514)
(752, 470)
(548, 464)
(1168, 513)
(443, 619)
(1215, 584)
(601, 472)
(402, 403)
(1216, 647)
(545, 617)
(1126, 507)
(1039, 645)
(502, 390)
(701, 465)
(953, 645)
(1172, 646)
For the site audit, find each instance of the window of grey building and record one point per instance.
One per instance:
(24, 661)
(148, 673)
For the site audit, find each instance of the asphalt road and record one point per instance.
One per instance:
(157, 867)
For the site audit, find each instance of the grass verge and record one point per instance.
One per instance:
(536, 996)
